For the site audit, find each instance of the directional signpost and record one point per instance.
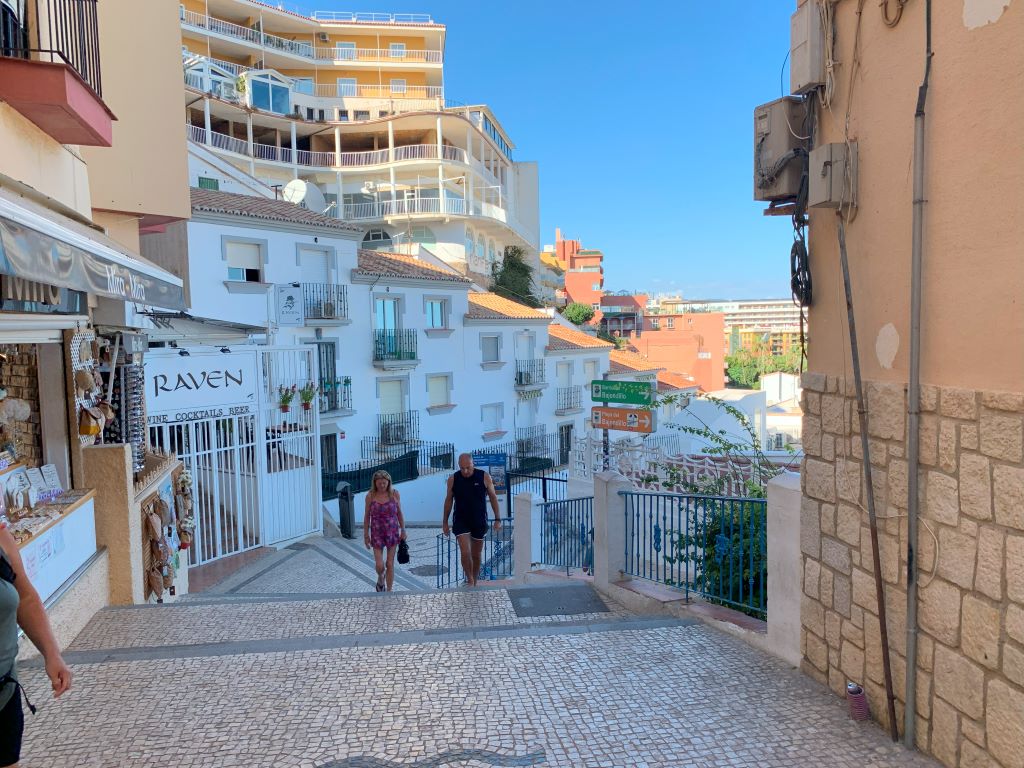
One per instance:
(622, 392)
(625, 419)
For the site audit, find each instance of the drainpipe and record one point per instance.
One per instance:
(914, 409)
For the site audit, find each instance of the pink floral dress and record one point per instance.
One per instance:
(385, 529)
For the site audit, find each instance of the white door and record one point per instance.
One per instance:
(346, 86)
(564, 374)
(313, 266)
(524, 346)
(391, 397)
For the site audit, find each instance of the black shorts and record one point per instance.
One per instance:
(474, 525)
(12, 723)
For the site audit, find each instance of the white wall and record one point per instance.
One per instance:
(703, 413)
(780, 387)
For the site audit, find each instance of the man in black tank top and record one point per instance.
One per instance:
(469, 490)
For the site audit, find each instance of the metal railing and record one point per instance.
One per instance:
(568, 398)
(567, 533)
(229, 143)
(325, 301)
(496, 561)
(378, 54)
(394, 344)
(398, 428)
(549, 484)
(433, 456)
(713, 546)
(335, 395)
(418, 205)
(533, 455)
(377, 91)
(530, 372)
(60, 31)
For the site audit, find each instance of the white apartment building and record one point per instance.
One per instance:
(354, 104)
(745, 313)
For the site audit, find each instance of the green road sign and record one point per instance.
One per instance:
(625, 392)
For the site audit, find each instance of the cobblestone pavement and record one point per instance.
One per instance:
(457, 679)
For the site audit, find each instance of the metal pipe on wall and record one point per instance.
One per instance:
(914, 397)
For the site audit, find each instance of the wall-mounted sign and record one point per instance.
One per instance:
(626, 392)
(290, 307)
(201, 385)
(624, 419)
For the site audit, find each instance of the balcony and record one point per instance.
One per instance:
(325, 304)
(336, 395)
(53, 76)
(568, 400)
(398, 428)
(530, 375)
(307, 51)
(394, 349)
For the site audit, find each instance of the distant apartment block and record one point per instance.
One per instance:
(687, 343)
(748, 323)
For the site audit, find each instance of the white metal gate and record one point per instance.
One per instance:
(255, 468)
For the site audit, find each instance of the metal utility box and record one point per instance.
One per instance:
(827, 176)
(777, 127)
(807, 48)
(346, 511)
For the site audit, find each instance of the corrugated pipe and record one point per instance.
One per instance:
(914, 396)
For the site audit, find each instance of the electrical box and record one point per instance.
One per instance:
(807, 48)
(779, 158)
(828, 185)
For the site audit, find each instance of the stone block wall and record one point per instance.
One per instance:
(970, 686)
(20, 377)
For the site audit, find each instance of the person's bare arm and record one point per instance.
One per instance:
(493, 495)
(401, 516)
(33, 619)
(366, 523)
(449, 499)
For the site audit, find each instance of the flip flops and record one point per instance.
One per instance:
(380, 583)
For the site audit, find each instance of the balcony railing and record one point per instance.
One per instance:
(398, 428)
(63, 31)
(530, 373)
(568, 398)
(394, 345)
(335, 395)
(375, 91)
(325, 301)
(303, 49)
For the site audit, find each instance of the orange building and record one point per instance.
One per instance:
(691, 344)
(584, 272)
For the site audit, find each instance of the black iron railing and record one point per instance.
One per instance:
(394, 345)
(324, 301)
(568, 398)
(335, 395)
(433, 456)
(530, 372)
(398, 428)
(55, 30)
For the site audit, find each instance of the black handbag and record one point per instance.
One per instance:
(403, 552)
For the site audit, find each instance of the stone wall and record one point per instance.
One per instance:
(970, 687)
(20, 377)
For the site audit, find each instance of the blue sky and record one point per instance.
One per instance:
(640, 116)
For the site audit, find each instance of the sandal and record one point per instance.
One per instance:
(380, 583)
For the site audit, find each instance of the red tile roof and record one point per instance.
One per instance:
(401, 265)
(562, 338)
(630, 362)
(265, 209)
(671, 380)
(491, 306)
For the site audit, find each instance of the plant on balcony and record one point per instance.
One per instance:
(285, 395)
(307, 393)
(240, 85)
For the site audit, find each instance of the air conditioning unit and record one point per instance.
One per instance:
(523, 378)
(392, 434)
(327, 310)
(322, 36)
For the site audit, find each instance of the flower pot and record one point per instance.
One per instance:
(306, 406)
(285, 408)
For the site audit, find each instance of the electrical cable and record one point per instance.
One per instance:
(894, 20)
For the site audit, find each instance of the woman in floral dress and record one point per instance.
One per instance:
(383, 527)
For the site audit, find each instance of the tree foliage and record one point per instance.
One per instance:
(578, 314)
(746, 366)
(514, 279)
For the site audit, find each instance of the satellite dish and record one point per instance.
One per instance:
(305, 194)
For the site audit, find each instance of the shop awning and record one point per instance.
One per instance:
(42, 245)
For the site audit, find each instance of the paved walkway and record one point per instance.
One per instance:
(540, 676)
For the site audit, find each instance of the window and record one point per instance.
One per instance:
(269, 95)
(347, 87)
(491, 348)
(439, 390)
(481, 247)
(596, 307)
(397, 85)
(469, 242)
(244, 260)
(436, 312)
(654, 323)
(205, 182)
(589, 371)
(14, 31)
(303, 85)
(492, 252)
(344, 51)
(343, 115)
(397, 50)
(490, 416)
(670, 322)
(377, 239)
(595, 287)
(362, 114)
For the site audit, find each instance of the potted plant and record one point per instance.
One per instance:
(307, 393)
(285, 395)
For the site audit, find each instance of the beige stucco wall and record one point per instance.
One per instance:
(31, 157)
(972, 322)
(146, 170)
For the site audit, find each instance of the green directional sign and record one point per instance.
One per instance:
(625, 392)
